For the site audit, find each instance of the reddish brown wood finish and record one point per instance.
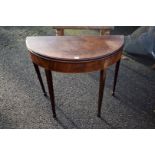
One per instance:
(75, 66)
(75, 48)
(76, 54)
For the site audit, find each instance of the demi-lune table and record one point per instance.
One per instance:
(75, 54)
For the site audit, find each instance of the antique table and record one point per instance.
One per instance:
(75, 54)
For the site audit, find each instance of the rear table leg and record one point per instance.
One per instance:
(101, 91)
(115, 78)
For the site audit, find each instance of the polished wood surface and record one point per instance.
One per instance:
(75, 48)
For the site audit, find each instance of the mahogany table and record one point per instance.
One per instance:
(75, 54)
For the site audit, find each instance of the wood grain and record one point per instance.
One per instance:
(75, 48)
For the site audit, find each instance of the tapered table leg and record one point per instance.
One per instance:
(51, 90)
(115, 77)
(40, 79)
(101, 90)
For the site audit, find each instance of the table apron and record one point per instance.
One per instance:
(76, 67)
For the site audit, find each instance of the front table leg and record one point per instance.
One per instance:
(101, 91)
(51, 90)
(40, 79)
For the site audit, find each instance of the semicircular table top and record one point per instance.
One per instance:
(73, 48)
